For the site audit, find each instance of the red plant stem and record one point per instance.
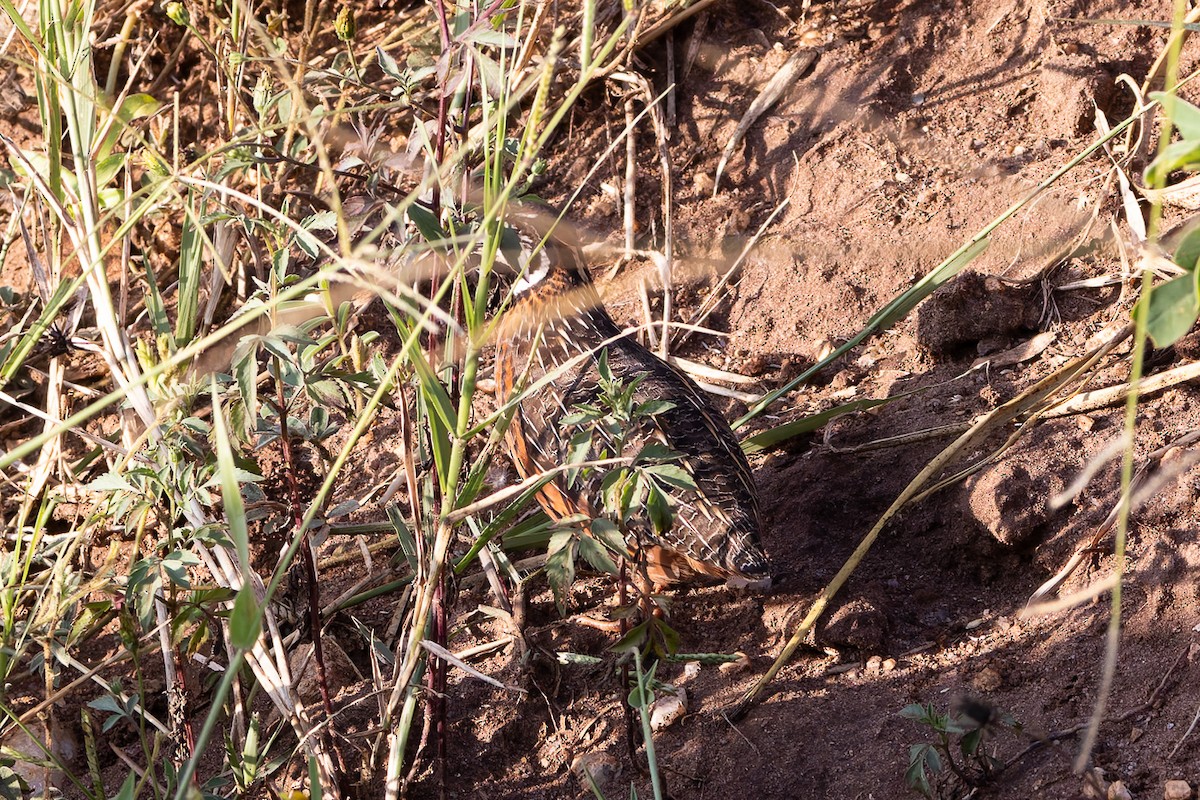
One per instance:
(437, 678)
(630, 722)
(310, 566)
(440, 140)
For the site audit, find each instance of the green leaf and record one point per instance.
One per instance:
(12, 785)
(560, 573)
(1188, 250)
(781, 433)
(656, 451)
(609, 535)
(107, 168)
(641, 696)
(666, 640)
(127, 788)
(606, 375)
(672, 474)
(154, 303)
(231, 495)
(491, 37)
(434, 391)
(191, 264)
(584, 414)
(652, 408)
(1176, 155)
(342, 509)
(326, 393)
(633, 495)
(242, 476)
(111, 198)
(245, 623)
(658, 507)
(1184, 115)
(426, 223)
(176, 565)
(309, 244)
(137, 106)
(579, 447)
(933, 759)
(1173, 308)
(134, 106)
(560, 539)
(245, 373)
(388, 64)
(915, 776)
(110, 482)
(408, 545)
(881, 320)
(108, 704)
(321, 221)
(597, 555)
(316, 790)
(633, 640)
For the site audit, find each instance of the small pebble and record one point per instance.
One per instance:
(988, 680)
(874, 664)
(600, 765)
(733, 667)
(668, 709)
(1095, 786)
(812, 38)
(889, 664)
(1117, 790)
(1177, 790)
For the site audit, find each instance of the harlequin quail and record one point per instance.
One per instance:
(556, 316)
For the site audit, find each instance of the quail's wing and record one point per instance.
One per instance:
(718, 523)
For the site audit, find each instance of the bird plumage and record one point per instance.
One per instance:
(555, 330)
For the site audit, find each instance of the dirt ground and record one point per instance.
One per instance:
(916, 125)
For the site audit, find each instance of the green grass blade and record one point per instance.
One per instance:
(191, 263)
(881, 320)
(944, 271)
(772, 436)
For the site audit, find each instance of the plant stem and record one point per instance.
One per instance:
(647, 733)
